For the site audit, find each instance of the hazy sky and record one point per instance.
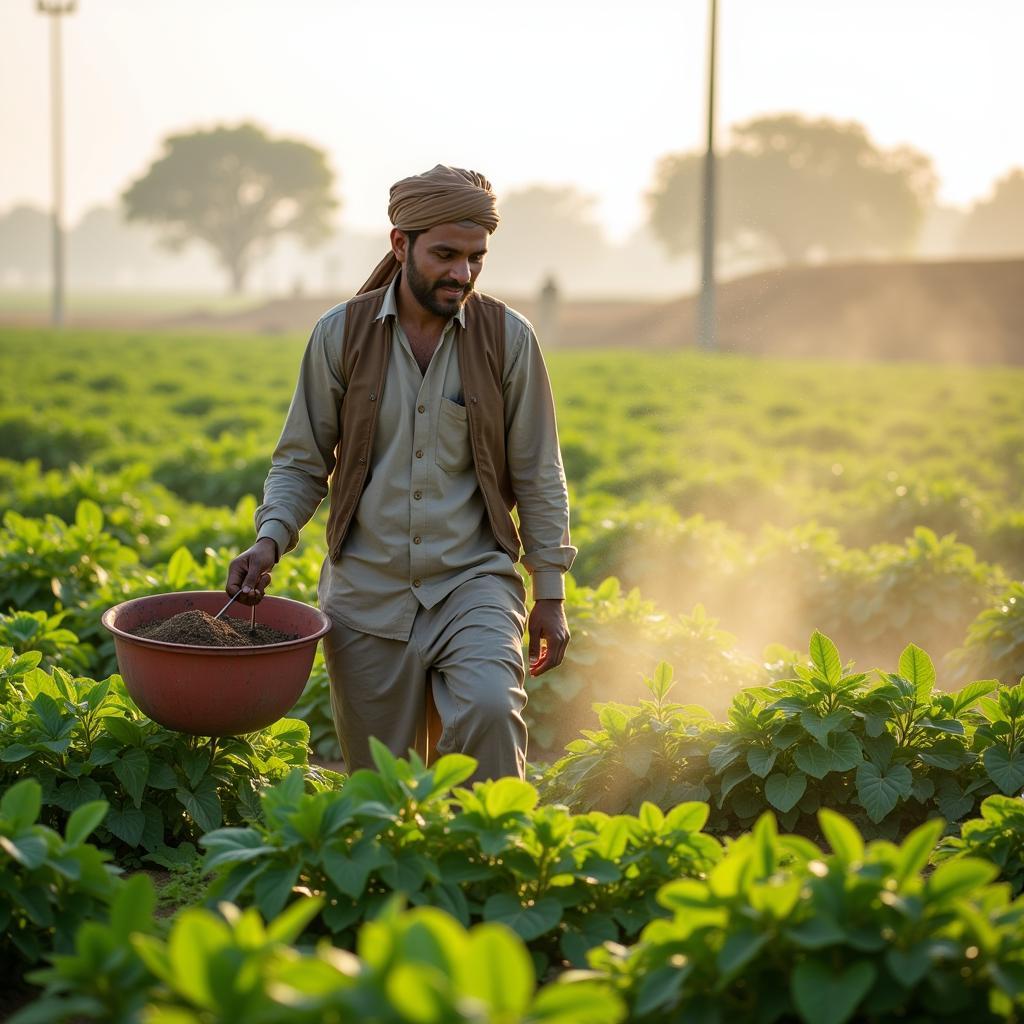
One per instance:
(587, 92)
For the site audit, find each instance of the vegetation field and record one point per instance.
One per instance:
(811, 815)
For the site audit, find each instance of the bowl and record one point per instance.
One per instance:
(215, 691)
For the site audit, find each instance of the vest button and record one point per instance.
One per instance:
(473, 399)
(373, 397)
(419, 454)
(416, 583)
(417, 495)
(421, 408)
(361, 460)
(417, 540)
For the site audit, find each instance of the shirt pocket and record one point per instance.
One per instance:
(453, 453)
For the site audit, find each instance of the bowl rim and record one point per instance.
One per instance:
(107, 620)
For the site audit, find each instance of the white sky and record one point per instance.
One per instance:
(588, 92)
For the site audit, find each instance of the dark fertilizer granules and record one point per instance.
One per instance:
(200, 629)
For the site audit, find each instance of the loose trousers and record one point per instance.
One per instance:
(468, 650)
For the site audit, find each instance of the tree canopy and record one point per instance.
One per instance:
(995, 226)
(235, 189)
(798, 189)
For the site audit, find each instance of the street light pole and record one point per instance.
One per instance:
(706, 318)
(56, 8)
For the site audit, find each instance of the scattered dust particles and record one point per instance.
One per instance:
(200, 629)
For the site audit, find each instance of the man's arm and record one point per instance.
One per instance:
(302, 462)
(538, 481)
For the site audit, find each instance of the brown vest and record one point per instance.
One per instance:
(366, 349)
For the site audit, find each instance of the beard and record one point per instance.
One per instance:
(426, 291)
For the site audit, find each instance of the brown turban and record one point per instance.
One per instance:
(443, 195)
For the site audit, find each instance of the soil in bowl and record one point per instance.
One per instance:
(200, 629)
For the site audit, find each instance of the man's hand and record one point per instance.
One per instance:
(250, 571)
(549, 635)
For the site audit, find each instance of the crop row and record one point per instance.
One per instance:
(772, 927)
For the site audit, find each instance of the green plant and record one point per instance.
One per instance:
(417, 966)
(37, 631)
(49, 883)
(564, 883)
(782, 931)
(85, 740)
(892, 752)
(997, 836)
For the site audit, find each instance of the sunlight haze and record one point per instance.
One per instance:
(567, 92)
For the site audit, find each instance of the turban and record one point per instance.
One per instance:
(443, 195)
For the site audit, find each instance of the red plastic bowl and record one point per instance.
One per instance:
(215, 691)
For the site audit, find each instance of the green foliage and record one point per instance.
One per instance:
(997, 836)
(37, 631)
(892, 751)
(49, 883)
(996, 637)
(85, 741)
(418, 966)
(563, 882)
(780, 930)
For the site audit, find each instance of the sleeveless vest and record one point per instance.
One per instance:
(366, 350)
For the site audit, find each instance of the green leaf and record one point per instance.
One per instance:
(972, 692)
(529, 922)
(1004, 769)
(825, 657)
(89, 516)
(232, 846)
(450, 770)
(917, 668)
(202, 803)
(842, 836)
(291, 923)
(823, 996)
(124, 731)
(955, 878)
(27, 850)
(179, 569)
(83, 821)
(916, 849)
(879, 791)
(273, 887)
(349, 872)
(21, 804)
(739, 949)
(132, 770)
(497, 970)
(819, 726)
(813, 759)
(909, 966)
(783, 792)
(127, 823)
(761, 760)
(509, 796)
(661, 683)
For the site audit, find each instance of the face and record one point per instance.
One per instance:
(442, 265)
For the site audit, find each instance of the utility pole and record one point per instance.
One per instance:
(706, 318)
(56, 8)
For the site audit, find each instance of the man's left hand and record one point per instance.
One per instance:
(549, 635)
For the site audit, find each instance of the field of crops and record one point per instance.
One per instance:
(768, 830)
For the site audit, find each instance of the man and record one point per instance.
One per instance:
(427, 405)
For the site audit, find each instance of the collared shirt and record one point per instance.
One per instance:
(421, 527)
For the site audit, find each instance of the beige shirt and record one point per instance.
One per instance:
(421, 527)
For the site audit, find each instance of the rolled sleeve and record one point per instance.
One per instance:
(304, 457)
(535, 464)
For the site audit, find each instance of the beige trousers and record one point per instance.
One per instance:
(468, 650)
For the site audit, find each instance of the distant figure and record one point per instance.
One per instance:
(548, 307)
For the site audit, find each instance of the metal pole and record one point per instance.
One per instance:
(706, 319)
(55, 10)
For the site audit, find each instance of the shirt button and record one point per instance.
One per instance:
(417, 495)
(416, 540)
(416, 583)
(421, 408)
(419, 454)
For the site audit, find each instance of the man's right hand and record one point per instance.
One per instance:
(250, 571)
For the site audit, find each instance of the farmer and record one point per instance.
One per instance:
(428, 407)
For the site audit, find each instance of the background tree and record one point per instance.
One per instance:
(25, 240)
(799, 189)
(236, 189)
(995, 226)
